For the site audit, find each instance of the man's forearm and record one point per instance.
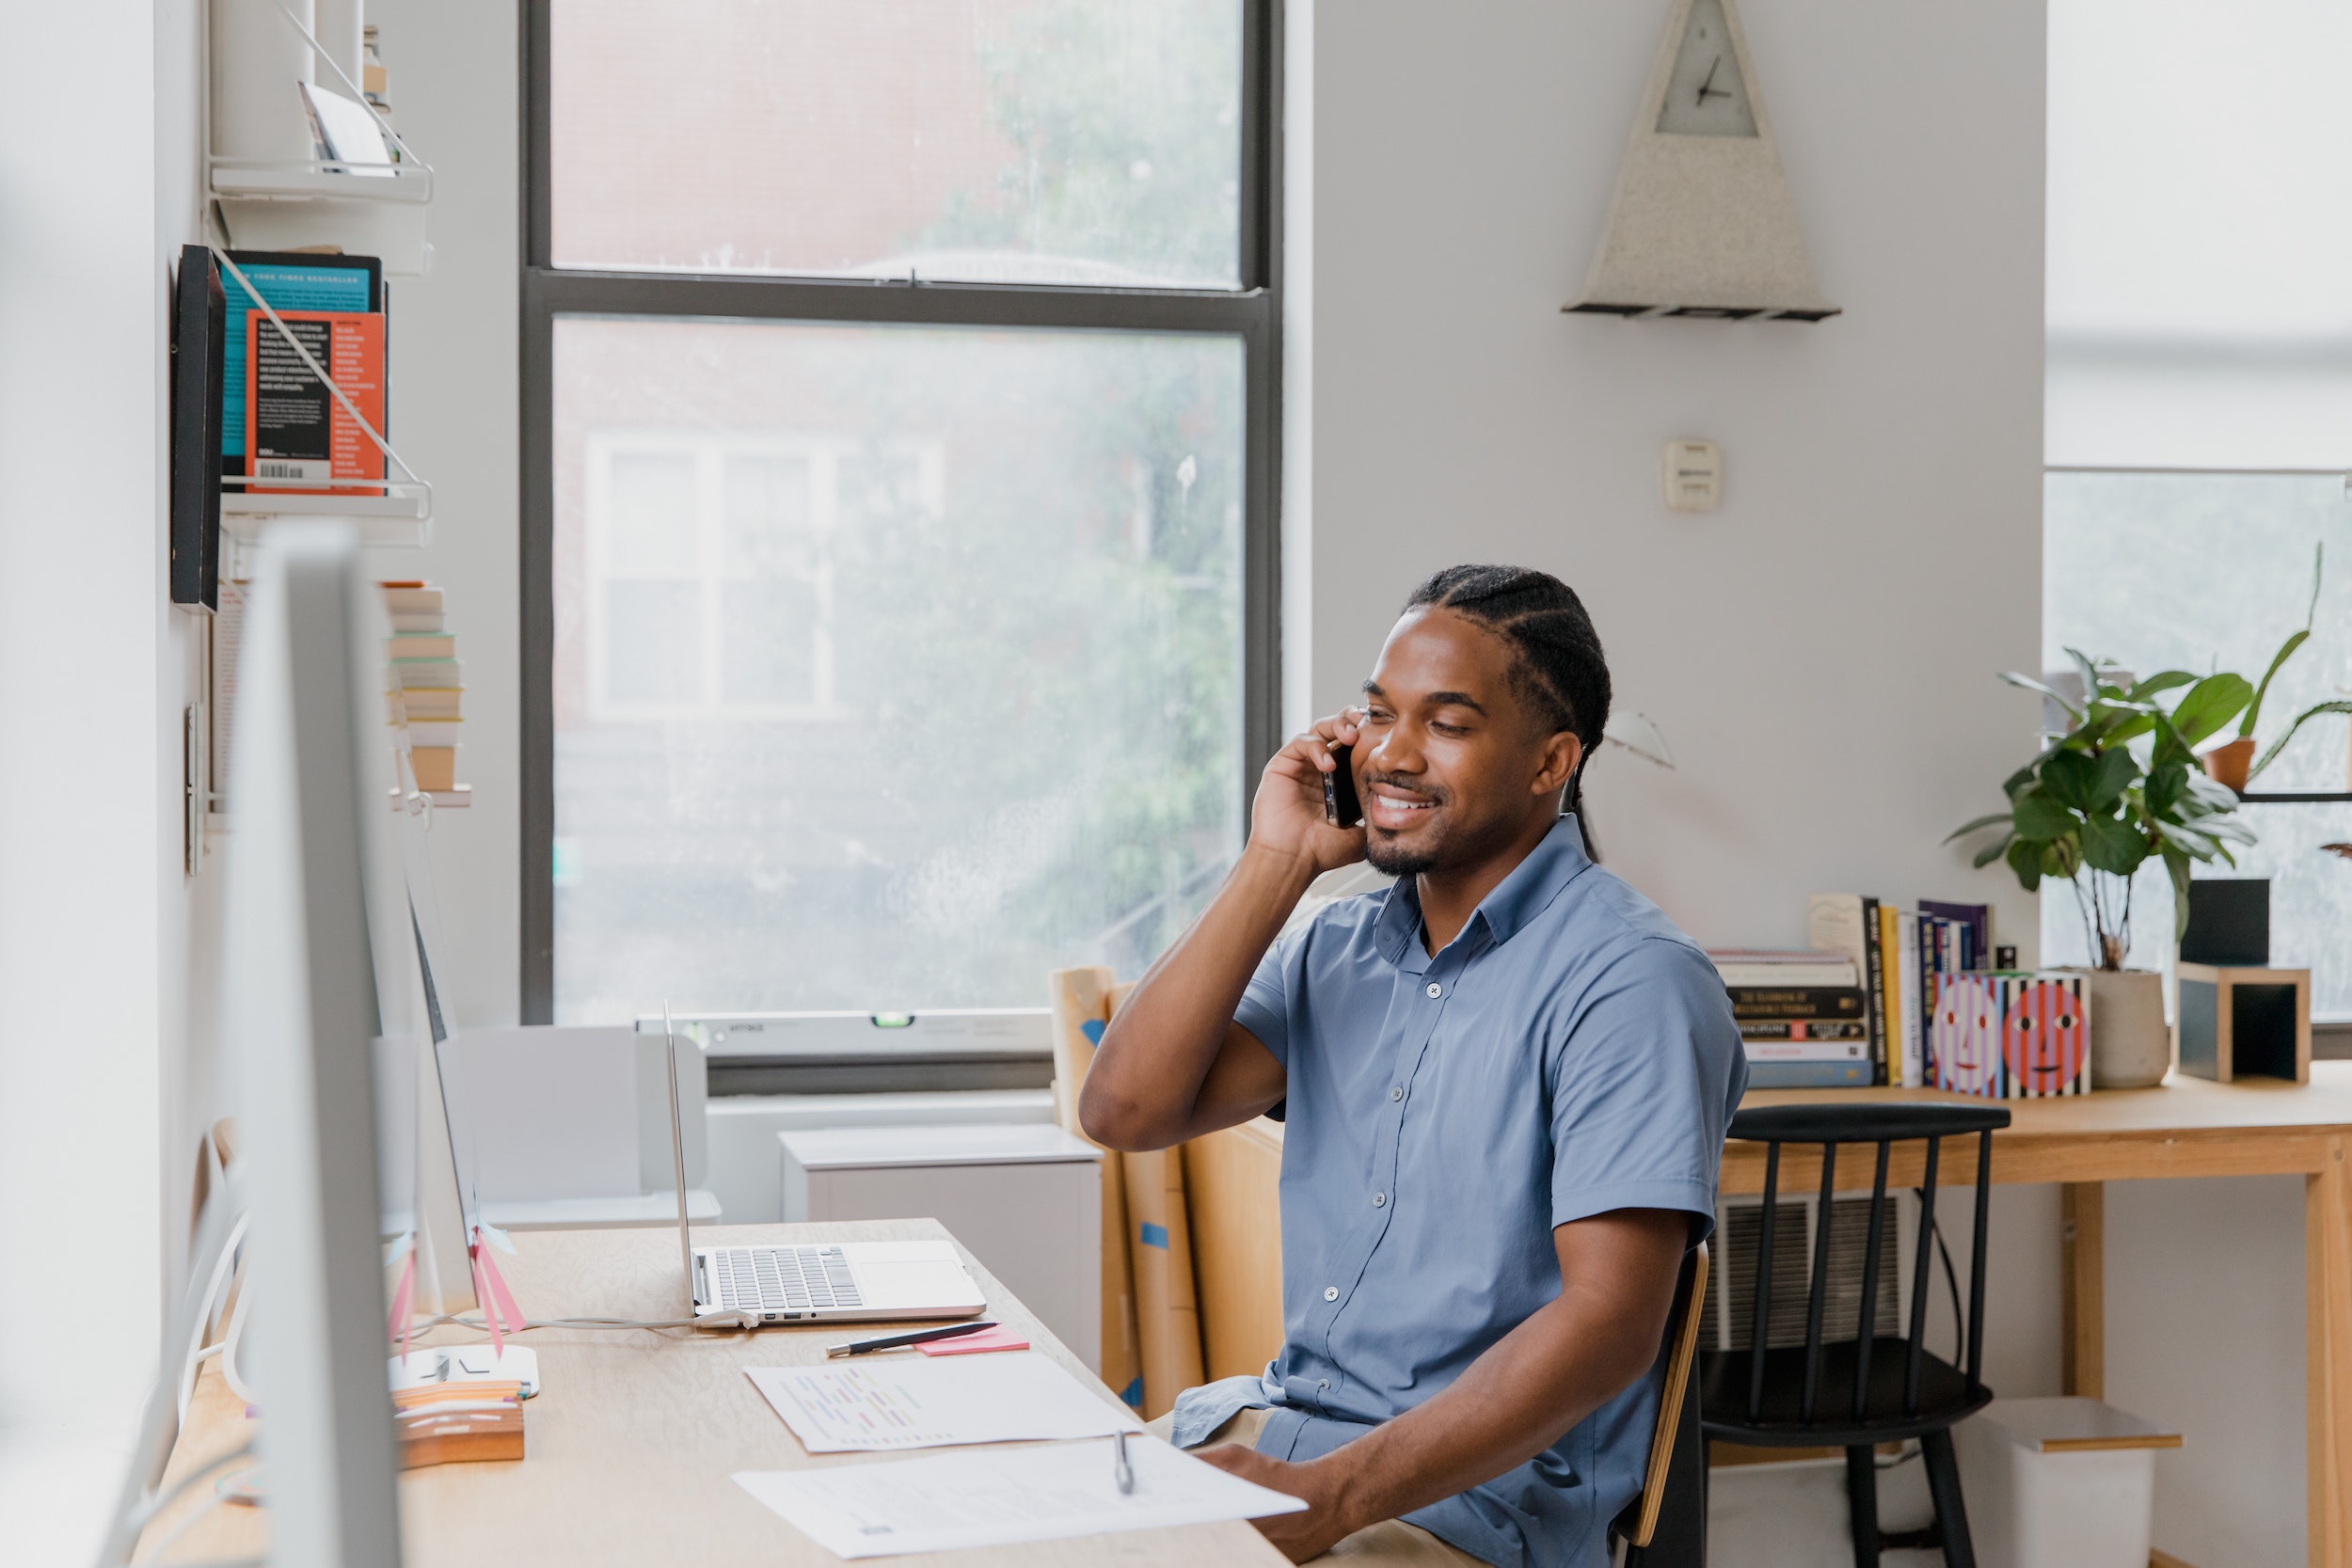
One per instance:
(1579, 1352)
(1145, 1085)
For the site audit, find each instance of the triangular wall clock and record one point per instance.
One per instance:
(1700, 222)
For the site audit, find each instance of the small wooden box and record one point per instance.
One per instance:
(2234, 1024)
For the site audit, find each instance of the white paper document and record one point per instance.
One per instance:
(996, 1497)
(918, 1402)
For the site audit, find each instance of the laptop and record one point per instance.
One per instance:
(739, 1286)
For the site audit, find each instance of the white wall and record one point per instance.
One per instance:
(1820, 652)
(93, 905)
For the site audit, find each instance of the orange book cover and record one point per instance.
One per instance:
(294, 427)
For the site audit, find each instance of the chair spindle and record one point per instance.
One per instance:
(1976, 1262)
(1816, 1298)
(1922, 1274)
(1760, 1318)
(1867, 1329)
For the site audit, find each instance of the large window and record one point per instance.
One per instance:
(2200, 402)
(2200, 571)
(899, 565)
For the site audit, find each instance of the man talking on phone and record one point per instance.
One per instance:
(1506, 1081)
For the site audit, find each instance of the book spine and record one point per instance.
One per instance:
(1874, 988)
(1930, 1066)
(1796, 1001)
(1809, 1075)
(1805, 1029)
(1913, 1016)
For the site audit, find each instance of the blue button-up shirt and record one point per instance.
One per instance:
(1570, 1052)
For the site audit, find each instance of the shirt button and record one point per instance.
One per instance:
(1379, 1200)
(1330, 1293)
(1397, 1093)
(1435, 989)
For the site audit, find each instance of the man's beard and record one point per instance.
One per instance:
(1393, 860)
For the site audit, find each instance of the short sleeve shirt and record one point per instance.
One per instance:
(1569, 1053)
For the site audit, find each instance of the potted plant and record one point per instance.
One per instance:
(2234, 764)
(2120, 785)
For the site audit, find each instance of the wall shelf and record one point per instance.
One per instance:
(411, 183)
(400, 518)
(2293, 796)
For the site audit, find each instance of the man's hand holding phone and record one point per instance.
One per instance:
(1307, 804)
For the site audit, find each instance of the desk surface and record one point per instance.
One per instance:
(2184, 1126)
(633, 1440)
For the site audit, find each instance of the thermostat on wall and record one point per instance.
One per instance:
(1693, 475)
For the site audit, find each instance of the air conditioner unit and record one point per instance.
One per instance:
(1727, 1322)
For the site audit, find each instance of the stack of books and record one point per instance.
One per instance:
(425, 683)
(1903, 957)
(1803, 1017)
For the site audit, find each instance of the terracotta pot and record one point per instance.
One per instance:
(2131, 1047)
(2227, 765)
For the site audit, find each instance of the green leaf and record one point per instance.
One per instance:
(1977, 826)
(2025, 861)
(2071, 779)
(2209, 704)
(2281, 744)
(2130, 728)
(2187, 841)
(2177, 865)
(2111, 774)
(2254, 708)
(2032, 685)
(2041, 818)
(2209, 794)
(2165, 787)
(2112, 845)
(2089, 671)
(1994, 850)
(2162, 681)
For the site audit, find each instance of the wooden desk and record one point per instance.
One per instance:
(2188, 1127)
(631, 1441)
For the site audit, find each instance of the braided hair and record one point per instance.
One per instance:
(1557, 667)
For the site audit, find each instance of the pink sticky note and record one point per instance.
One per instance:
(999, 1338)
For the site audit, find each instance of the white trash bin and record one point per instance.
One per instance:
(2059, 1484)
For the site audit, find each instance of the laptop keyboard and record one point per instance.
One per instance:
(782, 1278)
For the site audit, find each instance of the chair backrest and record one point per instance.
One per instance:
(1682, 1343)
(1831, 1126)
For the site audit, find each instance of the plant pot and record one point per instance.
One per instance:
(2131, 1047)
(2227, 765)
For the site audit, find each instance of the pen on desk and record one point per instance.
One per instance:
(1119, 1467)
(893, 1341)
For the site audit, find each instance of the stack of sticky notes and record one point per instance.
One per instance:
(445, 1423)
(426, 681)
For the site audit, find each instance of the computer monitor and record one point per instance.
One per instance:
(301, 1007)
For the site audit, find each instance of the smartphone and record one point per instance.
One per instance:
(1340, 806)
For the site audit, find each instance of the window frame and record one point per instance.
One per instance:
(1252, 313)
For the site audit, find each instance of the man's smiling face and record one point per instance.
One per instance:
(1452, 761)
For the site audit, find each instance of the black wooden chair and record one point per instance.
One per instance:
(1856, 1392)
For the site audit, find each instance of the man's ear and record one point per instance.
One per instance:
(1561, 753)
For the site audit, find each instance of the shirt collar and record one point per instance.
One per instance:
(1515, 900)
